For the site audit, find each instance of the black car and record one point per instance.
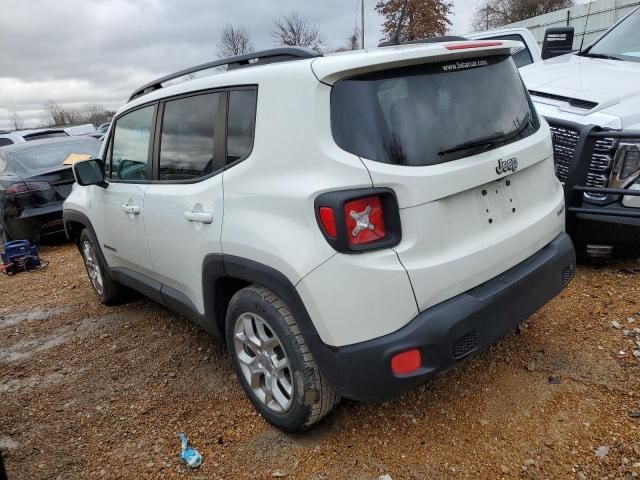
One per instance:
(34, 182)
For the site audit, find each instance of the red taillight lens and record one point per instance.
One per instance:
(406, 362)
(365, 220)
(463, 46)
(328, 221)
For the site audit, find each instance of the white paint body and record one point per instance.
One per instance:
(263, 207)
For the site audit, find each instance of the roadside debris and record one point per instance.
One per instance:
(602, 451)
(20, 256)
(189, 456)
(553, 380)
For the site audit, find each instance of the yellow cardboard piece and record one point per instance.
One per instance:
(76, 157)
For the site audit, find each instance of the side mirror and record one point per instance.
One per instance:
(557, 41)
(89, 172)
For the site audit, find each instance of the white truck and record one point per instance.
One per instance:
(591, 100)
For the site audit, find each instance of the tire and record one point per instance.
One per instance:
(259, 363)
(108, 290)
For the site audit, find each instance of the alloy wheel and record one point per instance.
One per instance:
(263, 362)
(93, 268)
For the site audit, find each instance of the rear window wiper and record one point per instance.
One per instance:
(490, 140)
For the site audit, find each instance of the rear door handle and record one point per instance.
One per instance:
(202, 217)
(131, 209)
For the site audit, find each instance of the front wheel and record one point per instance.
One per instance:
(273, 363)
(109, 291)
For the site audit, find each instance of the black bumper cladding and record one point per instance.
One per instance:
(454, 330)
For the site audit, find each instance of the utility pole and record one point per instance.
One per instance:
(362, 29)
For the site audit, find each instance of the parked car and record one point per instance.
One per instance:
(352, 182)
(34, 183)
(591, 100)
(21, 136)
(102, 129)
(85, 129)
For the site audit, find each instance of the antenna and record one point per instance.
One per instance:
(362, 29)
(395, 40)
(396, 37)
(586, 22)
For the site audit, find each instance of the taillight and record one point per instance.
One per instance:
(20, 188)
(357, 220)
(365, 221)
(328, 221)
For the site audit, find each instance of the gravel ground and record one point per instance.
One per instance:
(88, 391)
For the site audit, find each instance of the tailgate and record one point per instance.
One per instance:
(457, 242)
(461, 145)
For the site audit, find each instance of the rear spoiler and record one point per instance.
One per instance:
(331, 68)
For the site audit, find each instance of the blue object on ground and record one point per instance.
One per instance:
(19, 256)
(189, 456)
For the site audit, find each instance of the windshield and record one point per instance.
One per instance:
(623, 42)
(49, 155)
(432, 113)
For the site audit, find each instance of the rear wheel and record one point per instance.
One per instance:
(109, 291)
(273, 363)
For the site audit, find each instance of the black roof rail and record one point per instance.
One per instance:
(247, 60)
(447, 38)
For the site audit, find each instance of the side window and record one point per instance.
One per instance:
(130, 146)
(188, 137)
(522, 57)
(241, 121)
(107, 159)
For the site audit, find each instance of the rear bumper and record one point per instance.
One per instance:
(34, 223)
(451, 331)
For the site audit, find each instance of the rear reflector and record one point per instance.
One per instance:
(365, 220)
(463, 46)
(328, 221)
(406, 362)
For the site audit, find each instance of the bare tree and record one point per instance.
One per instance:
(55, 115)
(496, 13)
(16, 122)
(295, 30)
(234, 40)
(352, 43)
(95, 114)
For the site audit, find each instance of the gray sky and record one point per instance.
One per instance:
(97, 51)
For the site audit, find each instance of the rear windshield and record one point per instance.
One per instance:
(53, 154)
(424, 114)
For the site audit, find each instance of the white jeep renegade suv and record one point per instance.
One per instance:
(353, 224)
